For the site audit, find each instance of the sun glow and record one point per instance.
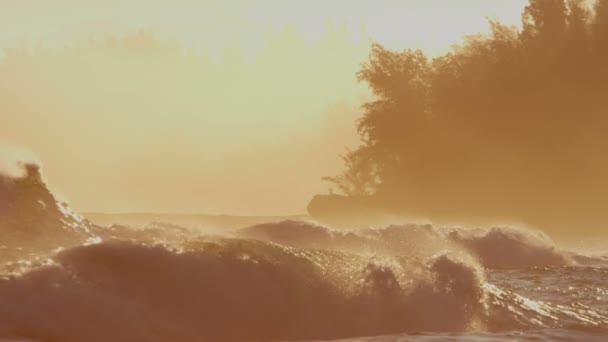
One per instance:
(207, 84)
(433, 25)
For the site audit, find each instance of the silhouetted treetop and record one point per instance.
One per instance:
(509, 125)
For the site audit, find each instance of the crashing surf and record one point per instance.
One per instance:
(66, 279)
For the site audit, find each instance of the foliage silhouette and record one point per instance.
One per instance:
(507, 126)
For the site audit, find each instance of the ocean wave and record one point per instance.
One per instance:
(226, 289)
(508, 248)
(124, 291)
(33, 221)
(495, 248)
(64, 279)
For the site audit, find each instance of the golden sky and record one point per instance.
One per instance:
(430, 24)
(235, 107)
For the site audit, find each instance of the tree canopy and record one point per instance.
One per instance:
(507, 126)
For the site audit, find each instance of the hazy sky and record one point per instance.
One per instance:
(432, 24)
(175, 132)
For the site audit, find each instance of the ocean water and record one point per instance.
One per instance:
(63, 278)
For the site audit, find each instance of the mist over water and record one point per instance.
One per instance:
(67, 279)
(460, 166)
(134, 109)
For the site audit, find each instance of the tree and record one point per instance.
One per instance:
(506, 125)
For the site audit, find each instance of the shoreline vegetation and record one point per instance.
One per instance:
(508, 126)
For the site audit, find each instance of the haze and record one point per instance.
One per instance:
(216, 106)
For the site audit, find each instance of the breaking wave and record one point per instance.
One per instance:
(33, 221)
(123, 291)
(495, 248)
(286, 280)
